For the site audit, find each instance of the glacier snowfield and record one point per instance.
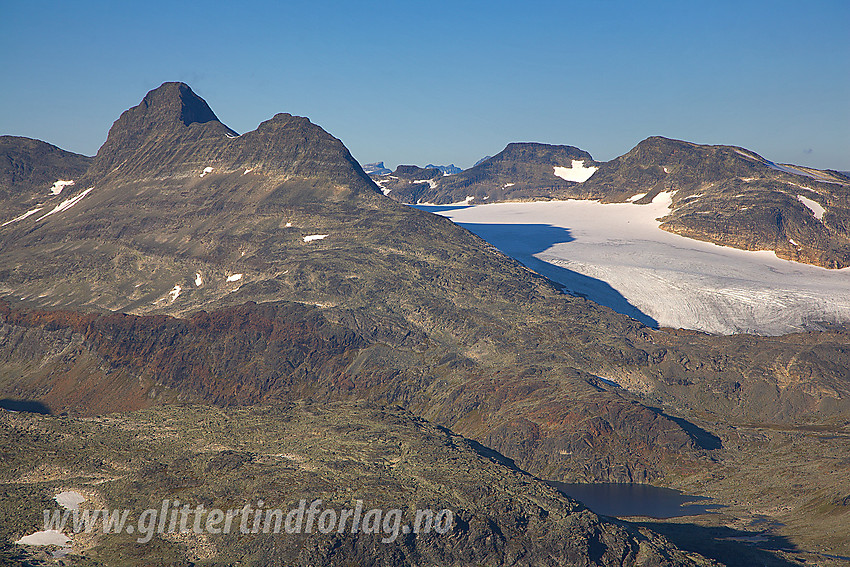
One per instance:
(616, 255)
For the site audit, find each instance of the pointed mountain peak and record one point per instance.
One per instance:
(167, 106)
(177, 101)
(168, 116)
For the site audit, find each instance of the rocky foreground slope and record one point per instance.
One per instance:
(271, 457)
(190, 263)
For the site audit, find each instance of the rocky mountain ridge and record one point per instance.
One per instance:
(33, 174)
(734, 197)
(522, 171)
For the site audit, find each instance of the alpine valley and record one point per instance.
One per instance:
(224, 318)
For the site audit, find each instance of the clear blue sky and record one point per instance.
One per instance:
(446, 82)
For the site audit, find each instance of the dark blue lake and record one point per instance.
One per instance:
(610, 499)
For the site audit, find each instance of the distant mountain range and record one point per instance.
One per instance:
(520, 171)
(376, 168)
(722, 194)
(450, 169)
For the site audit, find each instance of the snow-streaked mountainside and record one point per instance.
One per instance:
(616, 255)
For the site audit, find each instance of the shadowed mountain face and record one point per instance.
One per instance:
(734, 197)
(268, 268)
(519, 172)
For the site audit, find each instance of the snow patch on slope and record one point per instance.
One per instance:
(313, 237)
(23, 216)
(67, 203)
(46, 537)
(234, 277)
(578, 172)
(70, 500)
(813, 206)
(464, 203)
(380, 184)
(59, 185)
(431, 183)
(206, 171)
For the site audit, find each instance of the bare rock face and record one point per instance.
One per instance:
(734, 197)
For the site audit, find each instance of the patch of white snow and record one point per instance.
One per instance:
(813, 206)
(206, 170)
(23, 216)
(313, 237)
(578, 172)
(380, 184)
(636, 197)
(174, 293)
(234, 277)
(199, 280)
(46, 537)
(431, 183)
(747, 155)
(70, 500)
(59, 185)
(67, 203)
